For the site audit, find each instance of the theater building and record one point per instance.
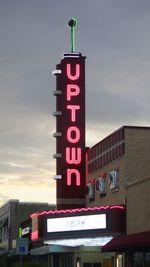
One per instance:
(72, 236)
(102, 217)
(66, 235)
(117, 190)
(119, 173)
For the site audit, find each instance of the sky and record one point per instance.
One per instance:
(114, 35)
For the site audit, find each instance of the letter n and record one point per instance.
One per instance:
(75, 174)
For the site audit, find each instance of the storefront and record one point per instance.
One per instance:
(136, 248)
(74, 238)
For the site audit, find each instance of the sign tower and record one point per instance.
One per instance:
(70, 127)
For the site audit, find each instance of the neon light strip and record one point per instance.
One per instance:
(34, 235)
(76, 210)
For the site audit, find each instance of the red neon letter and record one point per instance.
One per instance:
(76, 138)
(77, 74)
(72, 90)
(73, 111)
(73, 155)
(69, 173)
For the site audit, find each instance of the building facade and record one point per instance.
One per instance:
(74, 238)
(119, 173)
(12, 214)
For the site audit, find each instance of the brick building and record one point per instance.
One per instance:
(12, 214)
(119, 173)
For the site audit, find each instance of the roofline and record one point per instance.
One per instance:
(122, 127)
(26, 202)
(136, 127)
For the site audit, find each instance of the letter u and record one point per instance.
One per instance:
(77, 74)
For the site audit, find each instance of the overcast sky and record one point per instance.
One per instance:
(115, 37)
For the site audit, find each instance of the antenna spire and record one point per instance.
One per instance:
(72, 24)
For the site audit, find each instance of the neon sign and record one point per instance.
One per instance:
(73, 155)
(70, 76)
(73, 109)
(81, 210)
(70, 125)
(73, 132)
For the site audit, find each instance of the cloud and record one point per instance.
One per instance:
(28, 193)
(34, 34)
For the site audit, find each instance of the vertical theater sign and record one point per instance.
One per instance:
(70, 129)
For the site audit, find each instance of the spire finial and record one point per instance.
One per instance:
(72, 24)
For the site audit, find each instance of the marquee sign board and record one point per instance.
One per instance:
(76, 223)
(70, 131)
(79, 222)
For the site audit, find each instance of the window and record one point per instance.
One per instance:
(147, 259)
(66, 260)
(91, 189)
(78, 262)
(102, 184)
(87, 264)
(119, 260)
(138, 259)
(114, 179)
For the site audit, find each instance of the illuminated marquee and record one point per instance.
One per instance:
(76, 223)
(70, 126)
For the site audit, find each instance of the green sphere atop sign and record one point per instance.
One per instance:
(72, 23)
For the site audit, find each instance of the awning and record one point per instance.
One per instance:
(77, 242)
(137, 241)
(50, 249)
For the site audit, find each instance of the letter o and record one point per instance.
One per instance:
(76, 137)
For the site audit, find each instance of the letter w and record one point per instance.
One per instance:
(73, 155)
